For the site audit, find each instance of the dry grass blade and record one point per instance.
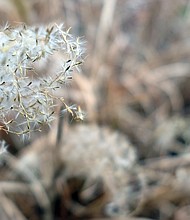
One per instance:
(10, 210)
(169, 164)
(35, 186)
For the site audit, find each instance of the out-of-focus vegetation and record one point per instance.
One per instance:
(135, 79)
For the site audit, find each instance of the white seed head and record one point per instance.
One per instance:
(28, 102)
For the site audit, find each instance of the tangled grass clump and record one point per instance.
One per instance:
(28, 99)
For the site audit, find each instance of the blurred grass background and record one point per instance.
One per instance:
(136, 75)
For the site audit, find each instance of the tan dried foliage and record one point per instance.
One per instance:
(135, 79)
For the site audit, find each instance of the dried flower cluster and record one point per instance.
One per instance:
(101, 153)
(27, 99)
